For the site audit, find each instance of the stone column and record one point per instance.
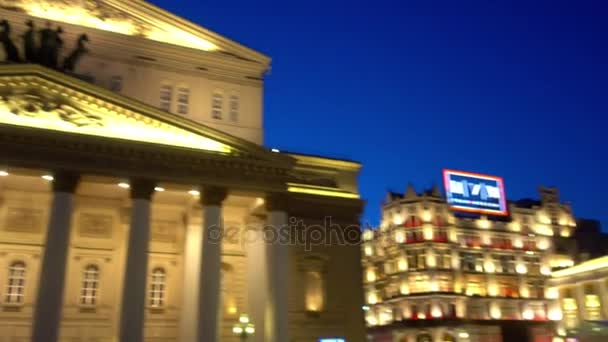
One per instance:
(603, 294)
(579, 295)
(190, 287)
(210, 276)
(277, 262)
(49, 301)
(257, 278)
(136, 269)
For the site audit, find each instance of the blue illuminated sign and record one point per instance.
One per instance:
(475, 193)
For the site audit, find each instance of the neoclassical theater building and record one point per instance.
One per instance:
(136, 192)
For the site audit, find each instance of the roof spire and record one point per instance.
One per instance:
(410, 192)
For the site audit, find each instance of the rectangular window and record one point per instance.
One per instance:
(416, 259)
(445, 259)
(471, 262)
(234, 108)
(216, 105)
(16, 282)
(183, 99)
(116, 83)
(166, 95)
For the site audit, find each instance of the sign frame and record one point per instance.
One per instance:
(504, 211)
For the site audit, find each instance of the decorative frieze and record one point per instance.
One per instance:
(164, 231)
(24, 220)
(95, 225)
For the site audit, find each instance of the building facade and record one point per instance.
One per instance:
(583, 295)
(137, 202)
(433, 274)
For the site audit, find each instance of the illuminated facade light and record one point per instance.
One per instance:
(495, 312)
(402, 264)
(515, 226)
(320, 191)
(3, 173)
(521, 269)
(372, 298)
(244, 319)
(587, 266)
(124, 185)
(250, 330)
(399, 237)
(159, 189)
(237, 330)
(426, 216)
(368, 251)
(49, 178)
(371, 275)
(275, 150)
(527, 314)
(543, 244)
(489, 267)
(552, 293)
(555, 314)
(463, 334)
(483, 223)
(194, 192)
(368, 235)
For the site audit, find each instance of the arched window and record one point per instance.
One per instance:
(314, 291)
(90, 285)
(16, 282)
(158, 286)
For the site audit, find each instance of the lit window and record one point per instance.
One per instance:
(90, 285)
(183, 98)
(116, 83)
(314, 291)
(166, 95)
(234, 108)
(216, 105)
(16, 282)
(157, 288)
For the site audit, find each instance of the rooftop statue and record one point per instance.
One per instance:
(10, 50)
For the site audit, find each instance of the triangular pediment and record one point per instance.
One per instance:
(134, 18)
(36, 97)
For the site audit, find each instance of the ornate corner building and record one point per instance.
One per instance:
(435, 274)
(136, 198)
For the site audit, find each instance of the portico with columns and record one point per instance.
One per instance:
(145, 238)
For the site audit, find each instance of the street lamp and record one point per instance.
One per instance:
(243, 328)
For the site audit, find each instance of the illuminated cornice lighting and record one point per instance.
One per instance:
(463, 334)
(587, 266)
(49, 178)
(275, 150)
(164, 33)
(320, 191)
(110, 124)
(124, 185)
(3, 173)
(194, 192)
(159, 189)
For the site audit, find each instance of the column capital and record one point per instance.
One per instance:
(65, 181)
(142, 188)
(276, 201)
(213, 195)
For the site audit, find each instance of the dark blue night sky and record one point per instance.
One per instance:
(512, 88)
